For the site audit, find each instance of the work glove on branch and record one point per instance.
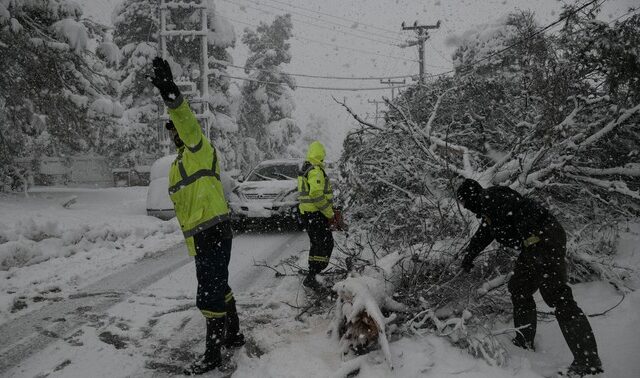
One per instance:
(337, 222)
(163, 80)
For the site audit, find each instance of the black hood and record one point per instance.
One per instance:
(470, 195)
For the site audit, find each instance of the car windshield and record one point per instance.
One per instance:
(275, 172)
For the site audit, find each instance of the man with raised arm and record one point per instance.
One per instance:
(202, 211)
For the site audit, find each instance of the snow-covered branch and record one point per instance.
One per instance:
(358, 317)
(434, 112)
(631, 170)
(615, 186)
(356, 116)
(610, 126)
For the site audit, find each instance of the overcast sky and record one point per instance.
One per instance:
(361, 40)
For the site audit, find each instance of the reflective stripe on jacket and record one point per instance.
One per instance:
(194, 178)
(315, 192)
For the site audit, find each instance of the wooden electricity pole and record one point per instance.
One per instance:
(377, 102)
(391, 84)
(422, 36)
(197, 94)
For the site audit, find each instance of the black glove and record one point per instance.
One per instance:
(467, 263)
(163, 80)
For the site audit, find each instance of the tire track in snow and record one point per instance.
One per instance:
(24, 336)
(32, 332)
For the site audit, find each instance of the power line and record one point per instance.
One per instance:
(314, 87)
(537, 33)
(336, 17)
(631, 10)
(318, 19)
(317, 76)
(360, 50)
(438, 51)
(403, 76)
(312, 24)
(559, 20)
(334, 45)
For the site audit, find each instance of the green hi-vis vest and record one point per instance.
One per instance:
(315, 192)
(194, 179)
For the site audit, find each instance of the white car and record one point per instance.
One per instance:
(158, 202)
(270, 191)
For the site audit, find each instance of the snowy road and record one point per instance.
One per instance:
(123, 315)
(35, 330)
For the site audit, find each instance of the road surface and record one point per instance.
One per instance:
(135, 317)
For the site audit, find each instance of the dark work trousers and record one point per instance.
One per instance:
(542, 266)
(212, 263)
(321, 239)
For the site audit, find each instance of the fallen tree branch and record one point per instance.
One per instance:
(357, 117)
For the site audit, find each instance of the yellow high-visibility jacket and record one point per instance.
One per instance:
(314, 187)
(194, 178)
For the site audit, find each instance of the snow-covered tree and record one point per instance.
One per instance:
(267, 103)
(136, 30)
(316, 128)
(56, 98)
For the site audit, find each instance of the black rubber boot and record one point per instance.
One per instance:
(520, 342)
(524, 318)
(212, 357)
(311, 282)
(233, 337)
(577, 333)
(577, 370)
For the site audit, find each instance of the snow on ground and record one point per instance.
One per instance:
(48, 251)
(157, 330)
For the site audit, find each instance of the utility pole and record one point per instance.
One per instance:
(377, 102)
(391, 84)
(422, 35)
(199, 93)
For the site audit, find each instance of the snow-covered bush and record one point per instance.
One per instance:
(33, 240)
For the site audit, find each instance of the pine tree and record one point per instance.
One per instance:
(267, 103)
(135, 32)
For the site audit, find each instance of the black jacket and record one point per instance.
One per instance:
(508, 218)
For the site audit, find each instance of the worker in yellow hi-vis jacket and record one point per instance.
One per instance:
(316, 209)
(203, 214)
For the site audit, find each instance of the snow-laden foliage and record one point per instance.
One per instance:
(267, 102)
(538, 117)
(74, 33)
(49, 84)
(136, 33)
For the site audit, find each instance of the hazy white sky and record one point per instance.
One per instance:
(371, 43)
